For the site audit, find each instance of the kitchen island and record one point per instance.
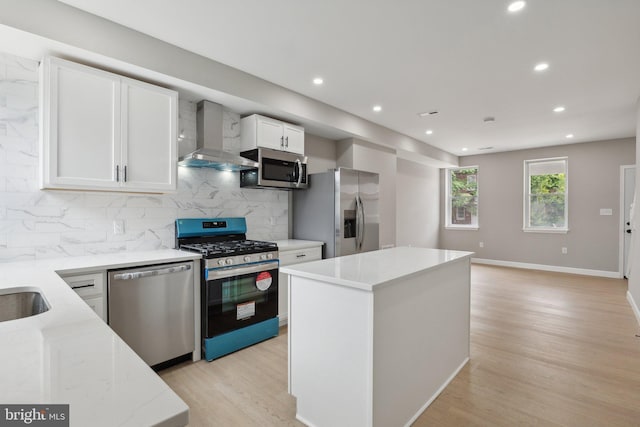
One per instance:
(375, 337)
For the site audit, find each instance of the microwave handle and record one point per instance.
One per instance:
(299, 166)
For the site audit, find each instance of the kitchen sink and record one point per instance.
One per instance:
(18, 303)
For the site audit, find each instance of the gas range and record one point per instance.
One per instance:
(238, 283)
(235, 252)
(222, 240)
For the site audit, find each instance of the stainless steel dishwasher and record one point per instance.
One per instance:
(151, 309)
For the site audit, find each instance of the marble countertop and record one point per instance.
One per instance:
(69, 355)
(369, 270)
(294, 244)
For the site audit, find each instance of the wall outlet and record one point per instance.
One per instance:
(564, 250)
(118, 226)
(605, 211)
(482, 244)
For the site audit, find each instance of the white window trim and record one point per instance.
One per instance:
(461, 227)
(447, 201)
(527, 199)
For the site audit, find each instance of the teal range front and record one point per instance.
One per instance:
(224, 344)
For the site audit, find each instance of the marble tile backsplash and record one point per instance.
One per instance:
(38, 223)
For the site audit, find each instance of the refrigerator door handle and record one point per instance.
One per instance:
(362, 222)
(357, 223)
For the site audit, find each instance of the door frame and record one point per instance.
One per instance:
(621, 232)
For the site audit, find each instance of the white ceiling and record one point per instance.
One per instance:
(467, 59)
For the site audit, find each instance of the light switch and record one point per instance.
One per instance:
(606, 211)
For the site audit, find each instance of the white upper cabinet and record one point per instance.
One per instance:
(148, 136)
(259, 131)
(101, 131)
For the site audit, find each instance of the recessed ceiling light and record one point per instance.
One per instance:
(429, 132)
(569, 136)
(559, 109)
(318, 81)
(427, 113)
(465, 149)
(516, 6)
(541, 66)
(377, 108)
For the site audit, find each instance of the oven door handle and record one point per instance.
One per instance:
(219, 273)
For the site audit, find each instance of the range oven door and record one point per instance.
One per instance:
(235, 297)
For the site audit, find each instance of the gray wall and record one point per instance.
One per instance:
(594, 183)
(321, 153)
(418, 204)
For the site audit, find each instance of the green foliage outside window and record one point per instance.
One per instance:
(547, 200)
(464, 194)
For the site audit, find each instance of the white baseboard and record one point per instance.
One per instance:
(634, 306)
(543, 267)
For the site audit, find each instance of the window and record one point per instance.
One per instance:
(545, 195)
(462, 198)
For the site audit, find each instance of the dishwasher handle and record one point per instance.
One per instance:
(149, 273)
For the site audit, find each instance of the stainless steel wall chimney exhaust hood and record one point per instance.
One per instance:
(209, 152)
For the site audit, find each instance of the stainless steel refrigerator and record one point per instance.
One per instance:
(341, 209)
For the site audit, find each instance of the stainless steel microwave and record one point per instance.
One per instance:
(276, 169)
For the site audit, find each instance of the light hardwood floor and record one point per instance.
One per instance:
(547, 349)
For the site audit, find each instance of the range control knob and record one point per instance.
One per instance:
(229, 261)
(220, 262)
(270, 256)
(247, 258)
(263, 256)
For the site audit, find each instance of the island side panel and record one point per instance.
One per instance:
(421, 339)
(330, 359)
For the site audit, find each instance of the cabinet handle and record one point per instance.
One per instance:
(287, 142)
(117, 173)
(301, 255)
(83, 284)
(282, 142)
(125, 173)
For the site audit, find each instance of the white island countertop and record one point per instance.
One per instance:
(369, 270)
(68, 355)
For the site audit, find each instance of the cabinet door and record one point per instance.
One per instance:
(293, 139)
(269, 133)
(149, 155)
(290, 258)
(96, 304)
(80, 126)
